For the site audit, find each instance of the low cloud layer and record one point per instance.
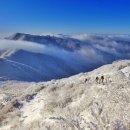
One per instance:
(24, 45)
(94, 50)
(43, 61)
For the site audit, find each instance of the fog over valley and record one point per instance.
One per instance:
(58, 56)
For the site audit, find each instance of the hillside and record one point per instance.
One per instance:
(69, 103)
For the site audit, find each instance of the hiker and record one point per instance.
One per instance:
(97, 79)
(86, 80)
(102, 78)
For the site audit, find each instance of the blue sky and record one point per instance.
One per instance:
(65, 16)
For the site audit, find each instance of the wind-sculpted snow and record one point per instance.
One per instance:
(35, 58)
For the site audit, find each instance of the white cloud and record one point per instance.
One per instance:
(93, 51)
(28, 46)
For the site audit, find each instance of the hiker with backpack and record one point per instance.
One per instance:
(97, 79)
(102, 78)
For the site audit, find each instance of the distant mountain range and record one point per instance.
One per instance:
(27, 57)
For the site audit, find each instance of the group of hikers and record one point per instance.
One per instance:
(98, 79)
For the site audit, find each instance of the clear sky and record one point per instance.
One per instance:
(65, 16)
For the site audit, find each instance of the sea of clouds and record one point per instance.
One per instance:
(95, 50)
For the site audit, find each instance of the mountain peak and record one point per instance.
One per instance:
(17, 36)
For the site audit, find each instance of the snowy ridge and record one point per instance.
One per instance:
(25, 70)
(71, 103)
(7, 53)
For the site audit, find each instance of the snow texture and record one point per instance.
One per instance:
(70, 103)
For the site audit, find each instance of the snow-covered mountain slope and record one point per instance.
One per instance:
(70, 103)
(27, 57)
(27, 66)
(35, 67)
